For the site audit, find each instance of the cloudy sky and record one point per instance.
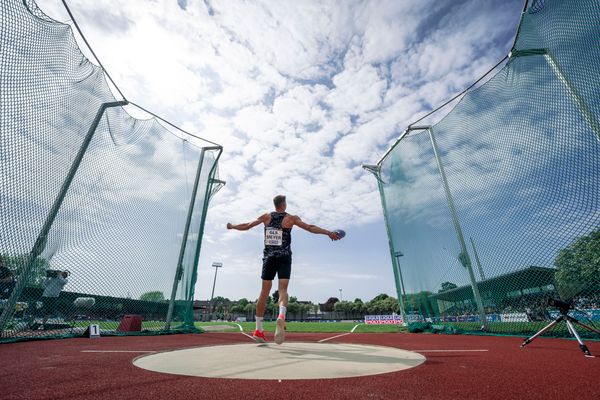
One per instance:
(300, 94)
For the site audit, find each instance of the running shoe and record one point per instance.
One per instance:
(259, 336)
(280, 330)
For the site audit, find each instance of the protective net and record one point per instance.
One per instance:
(494, 210)
(101, 214)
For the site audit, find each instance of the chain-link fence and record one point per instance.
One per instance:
(101, 214)
(495, 209)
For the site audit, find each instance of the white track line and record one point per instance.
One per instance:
(244, 333)
(118, 351)
(343, 334)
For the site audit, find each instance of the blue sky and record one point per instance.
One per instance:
(300, 94)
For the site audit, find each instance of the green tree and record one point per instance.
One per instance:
(236, 309)
(271, 309)
(243, 302)
(293, 307)
(578, 266)
(250, 308)
(307, 308)
(155, 296)
(390, 305)
(381, 296)
(220, 300)
(381, 304)
(373, 307)
(37, 276)
(343, 306)
(275, 296)
(330, 303)
(358, 306)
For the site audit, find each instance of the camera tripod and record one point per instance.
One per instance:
(570, 321)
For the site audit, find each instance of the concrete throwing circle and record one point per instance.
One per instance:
(295, 360)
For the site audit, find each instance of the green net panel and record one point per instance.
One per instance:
(120, 203)
(496, 208)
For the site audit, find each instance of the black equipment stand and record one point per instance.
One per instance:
(570, 321)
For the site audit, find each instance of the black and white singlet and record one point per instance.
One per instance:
(278, 240)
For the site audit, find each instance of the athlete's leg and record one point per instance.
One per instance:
(282, 287)
(261, 303)
(283, 301)
(284, 271)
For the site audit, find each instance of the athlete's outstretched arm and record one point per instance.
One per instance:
(248, 225)
(315, 229)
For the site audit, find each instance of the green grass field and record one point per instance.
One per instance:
(311, 327)
(506, 328)
(308, 327)
(112, 325)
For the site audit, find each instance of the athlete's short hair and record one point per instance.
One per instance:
(278, 200)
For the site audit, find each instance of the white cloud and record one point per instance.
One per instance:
(299, 93)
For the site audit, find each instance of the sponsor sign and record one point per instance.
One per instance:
(383, 319)
(514, 317)
(414, 317)
(591, 313)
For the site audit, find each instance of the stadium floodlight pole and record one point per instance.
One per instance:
(376, 170)
(179, 267)
(464, 259)
(42, 238)
(340, 294)
(216, 266)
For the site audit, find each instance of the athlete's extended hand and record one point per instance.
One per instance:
(333, 236)
(229, 226)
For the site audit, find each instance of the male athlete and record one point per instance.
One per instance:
(277, 259)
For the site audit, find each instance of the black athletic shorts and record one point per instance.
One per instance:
(280, 265)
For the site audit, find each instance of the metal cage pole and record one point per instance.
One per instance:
(465, 259)
(393, 254)
(375, 170)
(481, 273)
(207, 196)
(179, 267)
(42, 238)
(179, 271)
(580, 103)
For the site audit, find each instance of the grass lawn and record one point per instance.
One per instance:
(523, 329)
(113, 325)
(326, 327)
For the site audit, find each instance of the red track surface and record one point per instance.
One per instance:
(545, 369)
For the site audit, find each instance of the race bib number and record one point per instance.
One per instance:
(273, 237)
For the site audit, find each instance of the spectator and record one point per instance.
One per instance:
(7, 281)
(55, 282)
